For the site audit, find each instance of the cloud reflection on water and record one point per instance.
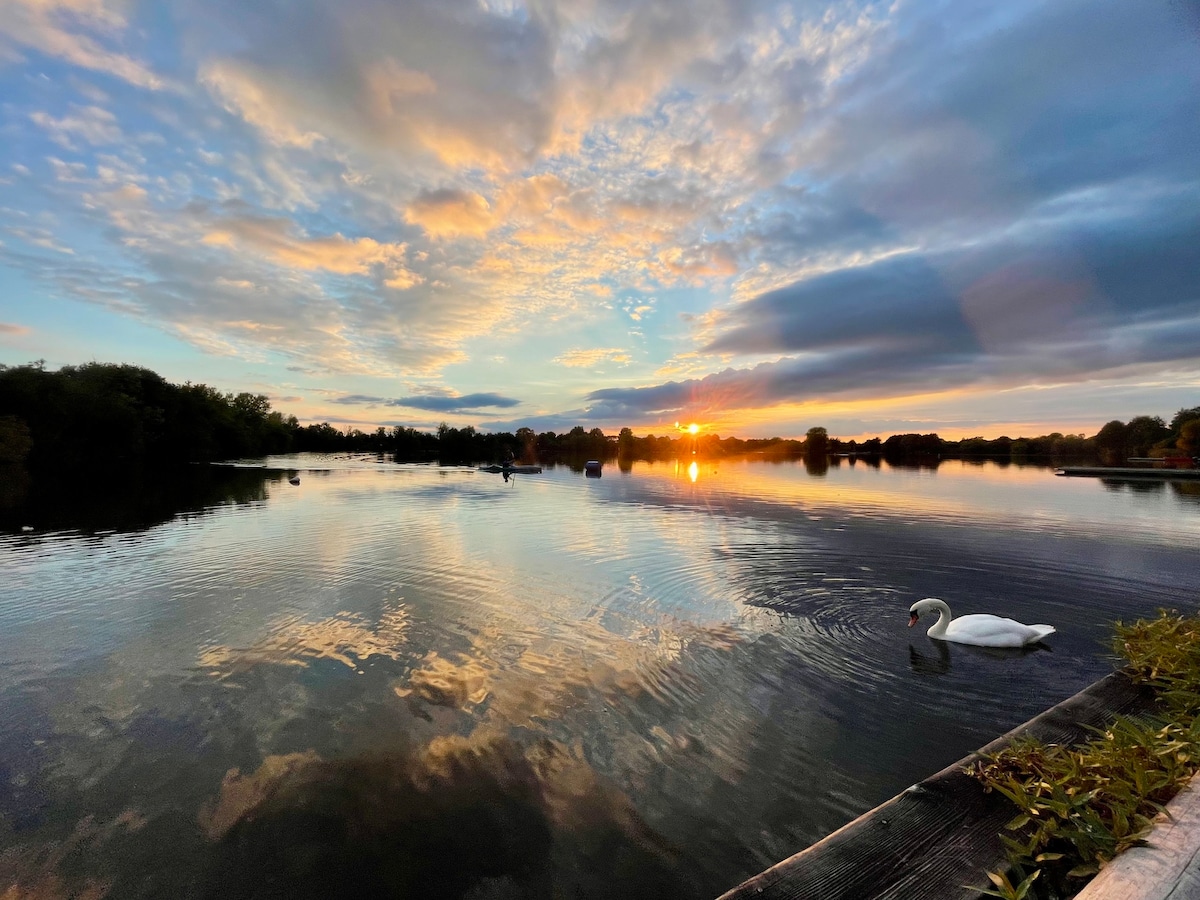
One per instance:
(345, 638)
(479, 816)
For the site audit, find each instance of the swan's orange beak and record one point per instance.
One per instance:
(912, 619)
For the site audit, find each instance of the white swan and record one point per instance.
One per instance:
(982, 630)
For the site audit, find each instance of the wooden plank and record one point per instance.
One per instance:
(939, 837)
(1168, 869)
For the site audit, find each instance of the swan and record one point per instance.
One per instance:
(982, 630)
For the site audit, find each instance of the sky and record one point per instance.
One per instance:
(962, 217)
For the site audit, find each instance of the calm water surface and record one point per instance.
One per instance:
(421, 681)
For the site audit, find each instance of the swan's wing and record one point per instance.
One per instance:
(1034, 632)
(985, 630)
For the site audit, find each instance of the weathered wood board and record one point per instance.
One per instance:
(1168, 869)
(938, 838)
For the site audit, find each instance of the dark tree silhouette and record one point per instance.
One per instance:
(102, 414)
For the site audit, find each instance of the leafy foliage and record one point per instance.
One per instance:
(102, 414)
(1182, 417)
(1009, 891)
(1165, 654)
(1079, 807)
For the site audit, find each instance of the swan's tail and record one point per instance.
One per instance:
(1043, 631)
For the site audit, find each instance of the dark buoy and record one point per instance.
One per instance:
(295, 479)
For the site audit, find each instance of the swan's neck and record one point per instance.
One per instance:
(939, 627)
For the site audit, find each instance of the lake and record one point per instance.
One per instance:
(410, 680)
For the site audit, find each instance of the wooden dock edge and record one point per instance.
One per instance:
(939, 837)
(1120, 473)
(1167, 869)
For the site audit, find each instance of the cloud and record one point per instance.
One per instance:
(75, 31)
(458, 84)
(954, 233)
(467, 86)
(358, 400)
(432, 402)
(455, 404)
(556, 422)
(259, 285)
(278, 239)
(1108, 300)
(14, 330)
(67, 171)
(376, 121)
(586, 359)
(242, 92)
(451, 213)
(1044, 283)
(39, 237)
(92, 124)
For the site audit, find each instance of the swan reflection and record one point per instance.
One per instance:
(927, 665)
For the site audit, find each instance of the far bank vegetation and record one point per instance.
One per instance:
(104, 414)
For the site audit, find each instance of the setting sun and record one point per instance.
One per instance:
(693, 428)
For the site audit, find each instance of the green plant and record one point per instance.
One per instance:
(1006, 889)
(1165, 654)
(1079, 807)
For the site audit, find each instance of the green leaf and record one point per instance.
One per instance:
(1024, 886)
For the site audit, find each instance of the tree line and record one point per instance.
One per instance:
(108, 414)
(104, 414)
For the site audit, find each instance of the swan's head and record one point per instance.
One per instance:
(929, 604)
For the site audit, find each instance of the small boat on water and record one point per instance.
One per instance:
(511, 470)
(592, 467)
